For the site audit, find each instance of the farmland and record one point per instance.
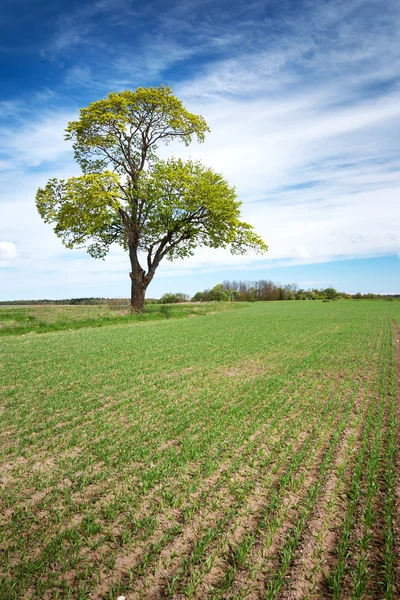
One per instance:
(245, 454)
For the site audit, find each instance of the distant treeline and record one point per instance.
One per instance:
(266, 290)
(240, 291)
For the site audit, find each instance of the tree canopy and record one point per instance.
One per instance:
(154, 209)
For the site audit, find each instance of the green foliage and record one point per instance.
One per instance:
(331, 293)
(174, 298)
(219, 294)
(198, 297)
(84, 209)
(196, 207)
(262, 290)
(124, 129)
(185, 205)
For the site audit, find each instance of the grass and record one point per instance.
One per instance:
(15, 320)
(249, 454)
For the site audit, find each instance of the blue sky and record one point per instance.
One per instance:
(303, 101)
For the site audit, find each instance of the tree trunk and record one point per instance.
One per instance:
(138, 279)
(138, 291)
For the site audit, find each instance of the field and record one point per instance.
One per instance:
(246, 454)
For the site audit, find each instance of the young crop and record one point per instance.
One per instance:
(217, 457)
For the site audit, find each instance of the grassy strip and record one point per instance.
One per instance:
(23, 321)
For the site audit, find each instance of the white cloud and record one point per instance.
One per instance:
(8, 253)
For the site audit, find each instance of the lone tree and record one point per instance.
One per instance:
(154, 209)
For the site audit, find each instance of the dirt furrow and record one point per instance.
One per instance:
(307, 577)
(396, 520)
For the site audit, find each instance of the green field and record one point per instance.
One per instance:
(246, 454)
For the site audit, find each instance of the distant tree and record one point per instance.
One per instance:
(174, 298)
(281, 293)
(168, 299)
(161, 209)
(219, 294)
(198, 297)
(310, 295)
(182, 297)
(290, 293)
(265, 290)
(330, 293)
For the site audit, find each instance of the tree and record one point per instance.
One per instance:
(198, 297)
(174, 298)
(330, 293)
(219, 294)
(154, 209)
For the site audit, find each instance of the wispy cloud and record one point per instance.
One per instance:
(31, 142)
